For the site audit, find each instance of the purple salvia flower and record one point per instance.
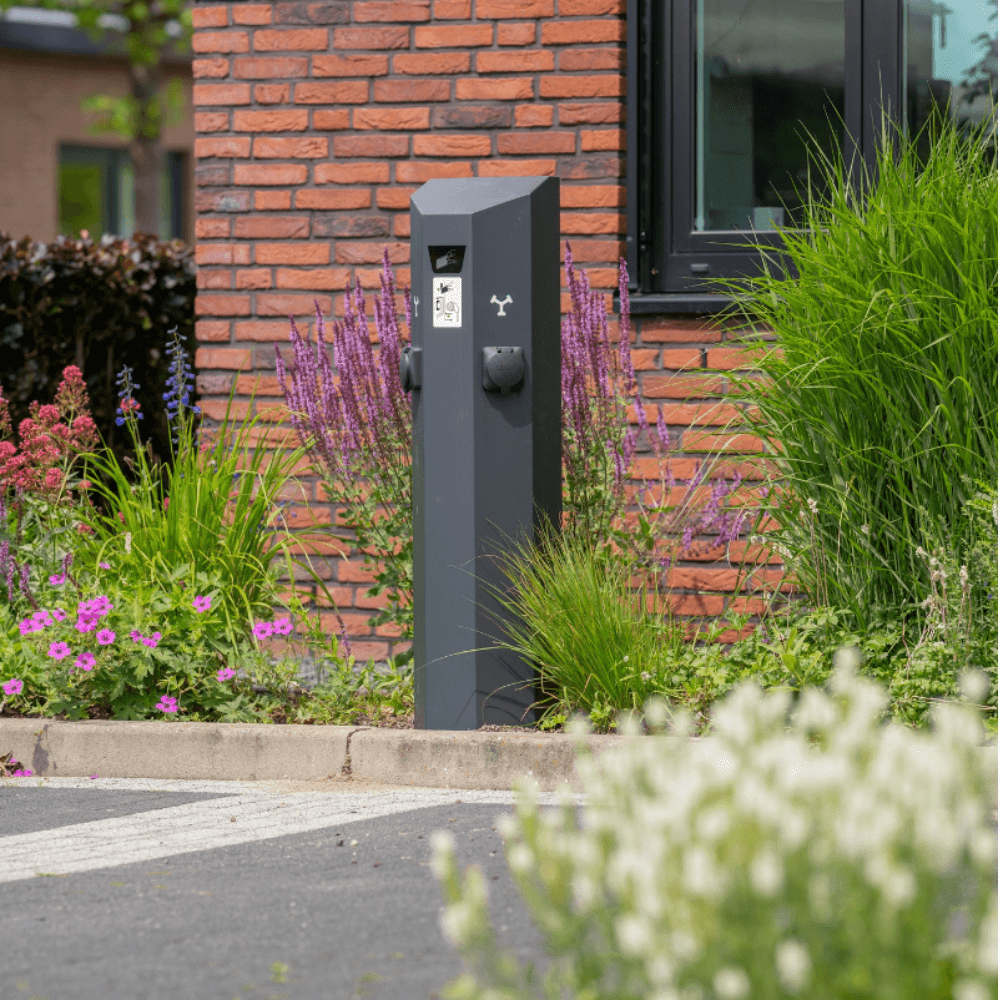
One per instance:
(662, 443)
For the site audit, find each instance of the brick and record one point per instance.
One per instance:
(230, 145)
(600, 251)
(582, 32)
(291, 305)
(371, 38)
(213, 175)
(590, 8)
(294, 40)
(312, 13)
(581, 86)
(417, 173)
(512, 89)
(399, 91)
(431, 63)
(222, 357)
(456, 36)
(607, 138)
(210, 17)
(253, 278)
(252, 13)
(497, 9)
(452, 10)
(327, 65)
(401, 226)
(704, 441)
(272, 93)
(262, 332)
(657, 386)
(215, 280)
(222, 201)
(293, 253)
(211, 121)
(220, 41)
(271, 201)
(485, 116)
(221, 253)
(702, 578)
(273, 227)
(370, 145)
(208, 229)
(388, 119)
(305, 148)
(294, 120)
(533, 115)
(532, 61)
(201, 68)
(591, 196)
(679, 358)
(587, 167)
(591, 222)
(520, 143)
(351, 173)
(214, 385)
(319, 279)
(331, 120)
(350, 226)
(371, 253)
(270, 67)
(516, 168)
(341, 92)
(732, 358)
(222, 305)
(702, 605)
(575, 60)
(270, 173)
(451, 145)
(212, 330)
(700, 414)
(678, 331)
(220, 93)
(516, 34)
(336, 200)
(394, 198)
(591, 114)
(391, 10)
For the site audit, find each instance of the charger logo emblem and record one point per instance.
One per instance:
(506, 302)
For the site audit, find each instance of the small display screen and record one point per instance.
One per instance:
(447, 260)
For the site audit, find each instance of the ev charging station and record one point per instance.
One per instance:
(484, 371)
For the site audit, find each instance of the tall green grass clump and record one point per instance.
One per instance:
(880, 396)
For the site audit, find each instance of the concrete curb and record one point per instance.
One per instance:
(220, 751)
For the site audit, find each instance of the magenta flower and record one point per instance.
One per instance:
(151, 641)
(57, 578)
(104, 565)
(13, 686)
(59, 615)
(201, 604)
(29, 625)
(86, 624)
(59, 650)
(21, 774)
(40, 616)
(225, 673)
(86, 661)
(167, 704)
(135, 635)
(262, 630)
(105, 637)
(283, 626)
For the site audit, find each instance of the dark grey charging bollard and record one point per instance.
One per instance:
(484, 369)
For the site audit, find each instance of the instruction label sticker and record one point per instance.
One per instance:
(447, 302)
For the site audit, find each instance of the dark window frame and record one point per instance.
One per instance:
(659, 138)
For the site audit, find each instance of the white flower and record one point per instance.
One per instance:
(456, 922)
(969, 989)
(731, 983)
(520, 858)
(128, 542)
(963, 576)
(713, 823)
(865, 529)
(813, 506)
(766, 872)
(920, 552)
(791, 959)
(634, 934)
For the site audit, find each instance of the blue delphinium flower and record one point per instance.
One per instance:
(128, 407)
(180, 381)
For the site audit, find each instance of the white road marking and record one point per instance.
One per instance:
(254, 813)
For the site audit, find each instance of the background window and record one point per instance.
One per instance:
(97, 193)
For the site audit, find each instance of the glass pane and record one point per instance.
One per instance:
(82, 188)
(766, 70)
(126, 196)
(949, 60)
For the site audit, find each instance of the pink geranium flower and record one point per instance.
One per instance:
(225, 673)
(57, 579)
(59, 650)
(104, 565)
(201, 604)
(262, 630)
(105, 637)
(86, 661)
(29, 625)
(283, 626)
(13, 686)
(167, 704)
(59, 615)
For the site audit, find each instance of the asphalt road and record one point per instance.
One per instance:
(125, 889)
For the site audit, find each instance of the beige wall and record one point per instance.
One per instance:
(40, 97)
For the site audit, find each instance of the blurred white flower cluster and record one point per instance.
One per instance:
(807, 852)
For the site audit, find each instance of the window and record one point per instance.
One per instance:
(96, 192)
(721, 94)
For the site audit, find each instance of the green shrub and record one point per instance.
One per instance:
(880, 396)
(822, 855)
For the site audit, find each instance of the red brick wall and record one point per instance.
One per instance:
(316, 121)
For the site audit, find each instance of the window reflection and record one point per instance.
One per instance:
(949, 60)
(766, 71)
